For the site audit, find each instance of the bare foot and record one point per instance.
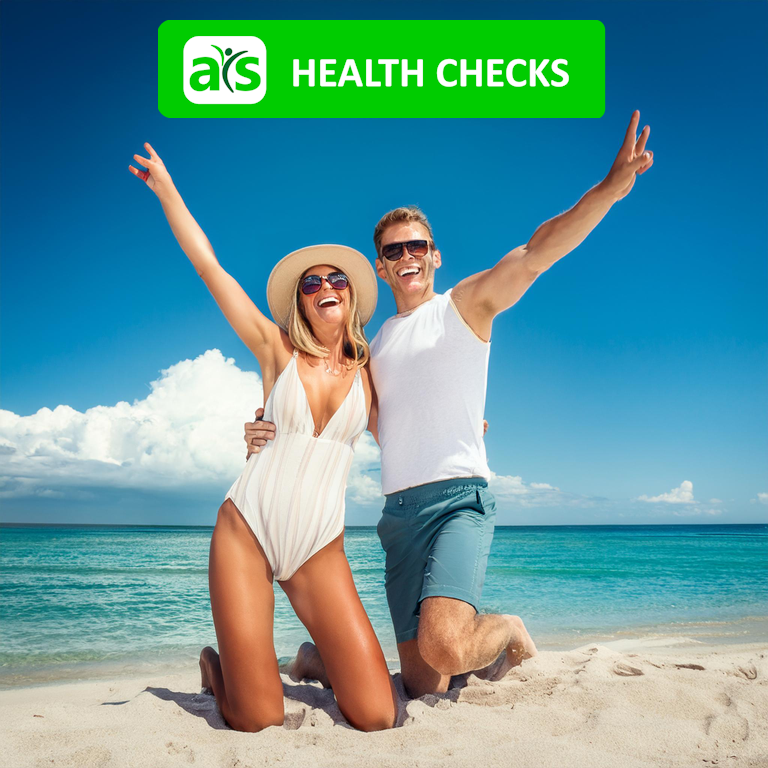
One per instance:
(308, 665)
(205, 658)
(520, 647)
(493, 670)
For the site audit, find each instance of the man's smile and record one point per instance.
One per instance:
(410, 269)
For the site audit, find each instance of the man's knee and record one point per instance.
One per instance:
(445, 629)
(444, 654)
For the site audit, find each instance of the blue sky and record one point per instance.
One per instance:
(636, 364)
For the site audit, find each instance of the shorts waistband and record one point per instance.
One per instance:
(420, 494)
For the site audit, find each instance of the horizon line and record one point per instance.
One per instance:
(545, 525)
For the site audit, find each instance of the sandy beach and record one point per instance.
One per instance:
(627, 703)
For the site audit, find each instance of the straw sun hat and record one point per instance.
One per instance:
(282, 281)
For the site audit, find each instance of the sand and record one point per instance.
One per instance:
(624, 706)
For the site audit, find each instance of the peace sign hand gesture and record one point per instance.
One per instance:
(632, 160)
(157, 177)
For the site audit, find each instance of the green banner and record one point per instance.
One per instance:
(381, 68)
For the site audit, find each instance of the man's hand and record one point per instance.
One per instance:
(485, 427)
(257, 432)
(632, 160)
(480, 297)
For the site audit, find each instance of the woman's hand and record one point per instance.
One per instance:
(633, 160)
(157, 177)
(257, 332)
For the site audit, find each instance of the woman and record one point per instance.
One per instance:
(283, 518)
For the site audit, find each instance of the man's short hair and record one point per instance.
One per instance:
(398, 215)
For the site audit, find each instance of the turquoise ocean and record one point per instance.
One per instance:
(83, 602)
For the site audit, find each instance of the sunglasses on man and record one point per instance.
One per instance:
(393, 251)
(313, 283)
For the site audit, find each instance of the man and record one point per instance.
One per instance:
(429, 364)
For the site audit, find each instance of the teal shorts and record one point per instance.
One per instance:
(437, 538)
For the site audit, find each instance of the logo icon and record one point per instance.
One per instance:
(221, 69)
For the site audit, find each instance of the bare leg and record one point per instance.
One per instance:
(419, 678)
(308, 665)
(324, 596)
(520, 647)
(244, 678)
(454, 639)
(207, 659)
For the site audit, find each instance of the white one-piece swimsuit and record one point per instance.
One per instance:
(291, 493)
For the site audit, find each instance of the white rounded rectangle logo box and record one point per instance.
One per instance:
(225, 69)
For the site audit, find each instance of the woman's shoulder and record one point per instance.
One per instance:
(365, 375)
(284, 349)
(368, 380)
(282, 352)
(368, 388)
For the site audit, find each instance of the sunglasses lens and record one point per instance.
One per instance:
(417, 247)
(311, 285)
(338, 281)
(392, 251)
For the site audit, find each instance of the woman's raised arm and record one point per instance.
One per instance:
(257, 331)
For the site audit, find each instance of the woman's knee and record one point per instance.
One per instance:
(251, 721)
(374, 718)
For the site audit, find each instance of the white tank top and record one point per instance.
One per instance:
(430, 371)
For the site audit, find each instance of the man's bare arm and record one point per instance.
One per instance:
(482, 296)
(373, 417)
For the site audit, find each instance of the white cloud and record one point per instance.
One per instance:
(762, 498)
(364, 484)
(683, 494)
(695, 511)
(186, 432)
(513, 491)
(715, 501)
(512, 488)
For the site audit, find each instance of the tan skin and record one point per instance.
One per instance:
(244, 673)
(452, 638)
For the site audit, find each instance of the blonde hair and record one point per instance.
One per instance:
(301, 335)
(404, 213)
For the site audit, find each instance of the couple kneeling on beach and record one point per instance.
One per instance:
(419, 388)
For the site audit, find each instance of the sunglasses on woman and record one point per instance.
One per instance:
(313, 283)
(392, 251)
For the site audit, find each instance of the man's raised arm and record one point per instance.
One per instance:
(482, 296)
